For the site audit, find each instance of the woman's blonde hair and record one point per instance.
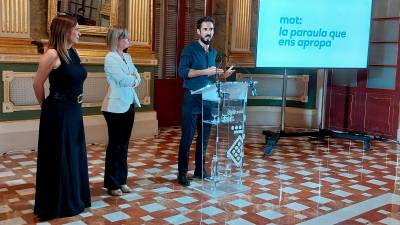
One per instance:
(60, 29)
(115, 34)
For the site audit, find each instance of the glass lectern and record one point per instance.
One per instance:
(224, 112)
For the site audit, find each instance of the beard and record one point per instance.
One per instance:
(206, 41)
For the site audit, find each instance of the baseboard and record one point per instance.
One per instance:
(271, 116)
(23, 135)
(398, 136)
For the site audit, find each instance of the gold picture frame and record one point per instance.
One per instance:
(84, 29)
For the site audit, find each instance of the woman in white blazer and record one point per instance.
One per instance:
(118, 109)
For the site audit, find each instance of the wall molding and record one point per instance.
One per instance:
(18, 47)
(14, 18)
(241, 25)
(20, 50)
(239, 12)
(271, 116)
(86, 60)
(264, 79)
(140, 22)
(95, 88)
(242, 59)
(140, 28)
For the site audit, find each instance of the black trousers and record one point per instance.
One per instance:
(119, 132)
(192, 121)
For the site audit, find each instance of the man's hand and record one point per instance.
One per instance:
(213, 71)
(228, 72)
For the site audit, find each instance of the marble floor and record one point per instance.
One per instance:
(302, 182)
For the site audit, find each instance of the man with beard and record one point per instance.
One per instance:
(197, 65)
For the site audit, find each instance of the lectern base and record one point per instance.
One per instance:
(272, 138)
(222, 188)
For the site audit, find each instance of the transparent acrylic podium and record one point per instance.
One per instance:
(224, 114)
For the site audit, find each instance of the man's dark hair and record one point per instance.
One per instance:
(81, 9)
(204, 19)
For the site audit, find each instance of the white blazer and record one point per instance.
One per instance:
(122, 77)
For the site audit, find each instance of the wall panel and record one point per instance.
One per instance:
(14, 18)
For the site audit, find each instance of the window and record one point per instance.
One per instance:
(166, 33)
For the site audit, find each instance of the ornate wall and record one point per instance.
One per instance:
(24, 21)
(28, 22)
(38, 12)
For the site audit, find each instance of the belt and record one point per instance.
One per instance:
(66, 97)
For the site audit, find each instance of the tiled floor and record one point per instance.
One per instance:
(303, 182)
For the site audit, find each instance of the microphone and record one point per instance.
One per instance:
(219, 60)
(252, 83)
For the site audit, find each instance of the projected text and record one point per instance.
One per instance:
(306, 38)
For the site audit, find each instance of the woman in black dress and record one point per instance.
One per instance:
(62, 181)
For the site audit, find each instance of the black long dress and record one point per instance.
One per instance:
(62, 181)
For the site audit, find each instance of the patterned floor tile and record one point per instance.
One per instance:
(116, 216)
(270, 214)
(177, 219)
(302, 182)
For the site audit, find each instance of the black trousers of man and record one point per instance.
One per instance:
(119, 132)
(192, 121)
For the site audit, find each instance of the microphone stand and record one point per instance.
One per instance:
(218, 77)
(215, 160)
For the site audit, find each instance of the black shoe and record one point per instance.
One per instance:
(183, 180)
(201, 176)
